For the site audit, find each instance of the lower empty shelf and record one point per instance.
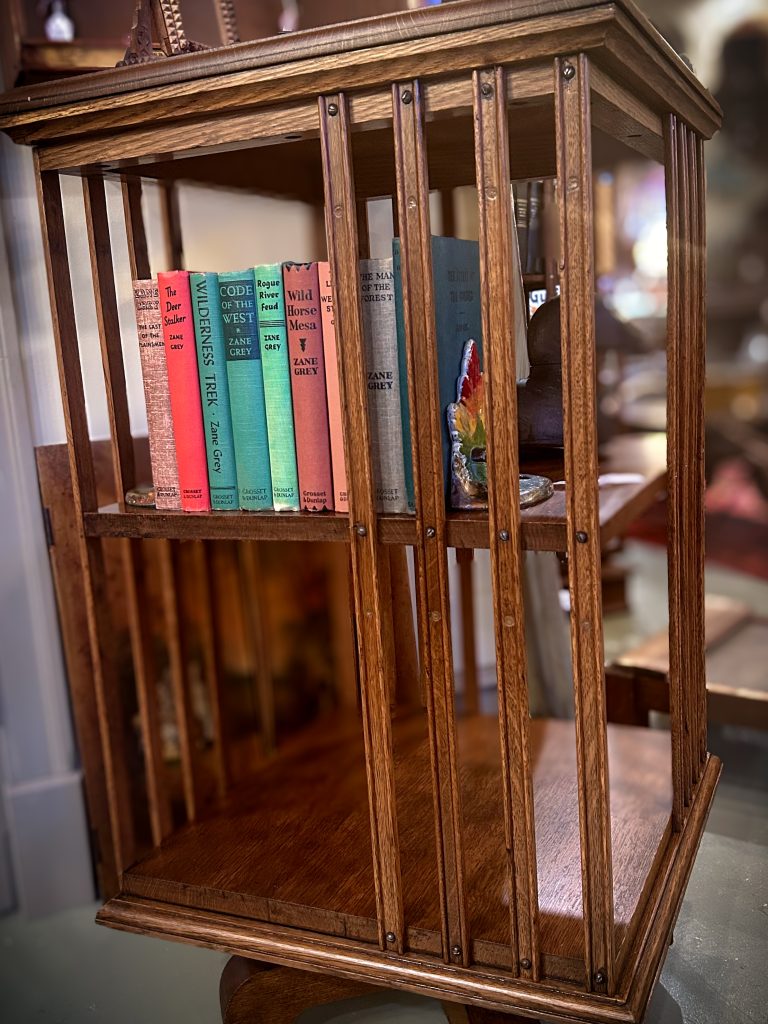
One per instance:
(292, 846)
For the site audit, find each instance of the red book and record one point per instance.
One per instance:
(310, 405)
(184, 386)
(340, 496)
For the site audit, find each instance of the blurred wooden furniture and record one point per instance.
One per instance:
(492, 860)
(737, 680)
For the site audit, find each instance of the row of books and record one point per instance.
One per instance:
(242, 389)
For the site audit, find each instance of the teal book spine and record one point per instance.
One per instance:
(402, 365)
(458, 317)
(273, 340)
(214, 391)
(237, 298)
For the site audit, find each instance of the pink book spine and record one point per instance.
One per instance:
(310, 404)
(338, 465)
(184, 388)
(162, 448)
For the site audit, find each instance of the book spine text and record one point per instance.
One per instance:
(214, 391)
(310, 405)
(273, 340)
(237, 296)
(162, 447)
(184, 388)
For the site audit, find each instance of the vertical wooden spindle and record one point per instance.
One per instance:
(675, 433)
(501, 312)
(371, 601)
(186, 725)
(696, 345)
(577, 321)
(464, 560)
(249, 564)
(430, 549)
(100, 632)
(145, 668)
(102, 271)
(686, 400)
(701, 356)
(211, 662)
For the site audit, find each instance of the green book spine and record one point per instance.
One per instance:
(273, 340)
(214, 391)
(237, 295)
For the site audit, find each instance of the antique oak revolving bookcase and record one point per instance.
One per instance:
(511, 863)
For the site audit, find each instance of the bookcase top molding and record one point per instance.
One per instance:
(366, 54)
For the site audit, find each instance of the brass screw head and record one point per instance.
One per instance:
(525, 964)
(503, 534)
(568, 72)
(486, 89)
(360, 530)
(600, 977)
(581, 536)
(390, 937)
(456, 951)
(406, 96)
(431, 531)
(333, 109)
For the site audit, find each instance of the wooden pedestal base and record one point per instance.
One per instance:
(252, 992)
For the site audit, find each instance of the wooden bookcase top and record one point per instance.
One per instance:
(365, 54)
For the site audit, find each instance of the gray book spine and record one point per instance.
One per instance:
(377, 291)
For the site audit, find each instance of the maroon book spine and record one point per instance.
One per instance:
(310, 403)
(184, 387)
(162, 448)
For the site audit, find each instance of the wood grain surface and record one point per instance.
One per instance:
(501, 312)
(431, 554)
(577, 317)
(310, 806)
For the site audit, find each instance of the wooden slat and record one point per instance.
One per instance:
(371, 603)
(501, 311)
(138, 252)
(84, 493)
(145, 670)
(698, 462)
(252, 597)
(97, 223)
(145, 675)
(169, 208)
(685, 398)
(211, 661)
(695, 343)
(186, 725)
(464, 559)
(430, 546)
(675, 431)
(577, 319)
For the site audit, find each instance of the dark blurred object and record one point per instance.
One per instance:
(743, 94)
(539, 398)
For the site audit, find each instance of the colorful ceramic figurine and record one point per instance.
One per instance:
(466, 423)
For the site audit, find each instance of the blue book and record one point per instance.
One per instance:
(237, 297)
(214, 391)
(458, 317)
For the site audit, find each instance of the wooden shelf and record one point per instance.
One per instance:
(310, 806)
(543, 526)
